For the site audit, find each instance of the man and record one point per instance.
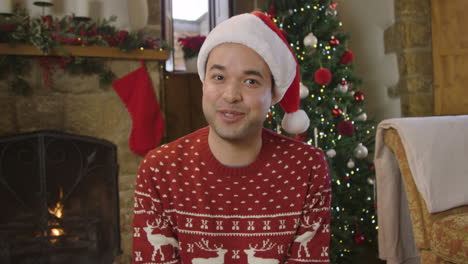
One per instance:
(235, 192)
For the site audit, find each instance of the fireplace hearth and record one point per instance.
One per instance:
(58, 199)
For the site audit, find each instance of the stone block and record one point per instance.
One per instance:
(83, 114)
(391, 39)
(406, 35)
(128, 161)
(416, 105)
(415, 62)
(100, 115)
(415, 84)
(154, 12)
(8, 115)
(153, 30)
(127, 182)
(126, 242)
(413, 9)
(40, 112)
(75, 84)
(126, 199)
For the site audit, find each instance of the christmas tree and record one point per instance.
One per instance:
(331, 97)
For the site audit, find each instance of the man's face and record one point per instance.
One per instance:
(237, 92)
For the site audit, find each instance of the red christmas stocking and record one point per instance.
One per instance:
(136, 91)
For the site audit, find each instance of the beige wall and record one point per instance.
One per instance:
(366, 21)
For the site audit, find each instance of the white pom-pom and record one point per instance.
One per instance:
(310, 40)
(295, 123)
(303, 91)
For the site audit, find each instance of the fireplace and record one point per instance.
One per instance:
(58, 199)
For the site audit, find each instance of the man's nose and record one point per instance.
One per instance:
(232, 93)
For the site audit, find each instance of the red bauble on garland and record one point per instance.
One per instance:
(347, 57)
(323, 76)
(337, 112)
(359, 96)
(346, 128)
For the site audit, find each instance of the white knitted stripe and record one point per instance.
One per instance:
(234, 216)
(168, 262)
(311, 260)
(321, 209)
(148, 195)
(237, 233)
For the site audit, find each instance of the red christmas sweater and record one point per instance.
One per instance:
(189, 208)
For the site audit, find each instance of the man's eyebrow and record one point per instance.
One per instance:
(217, 67)
(253, 72)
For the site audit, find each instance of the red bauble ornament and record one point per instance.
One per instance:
(346, 128)
(347, 57)
(334, 42)
(359, 238)
(359, 96)
(346, 178)
(372, 166)
(323, 76)
(337, 112)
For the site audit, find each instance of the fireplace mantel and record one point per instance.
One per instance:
(85, 51)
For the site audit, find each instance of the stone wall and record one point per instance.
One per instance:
(410, 38)
(78, 105)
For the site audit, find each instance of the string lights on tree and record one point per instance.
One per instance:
(339, 125)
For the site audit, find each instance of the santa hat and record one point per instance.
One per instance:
(258, 32)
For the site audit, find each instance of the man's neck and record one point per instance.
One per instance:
(235, 153)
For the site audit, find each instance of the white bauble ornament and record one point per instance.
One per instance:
(350, 164)
(351, 93)
(331, 153)
(343, 87)
(360, 151)
(361, 117)
(303, 91)
(370, 181)
(310, 40)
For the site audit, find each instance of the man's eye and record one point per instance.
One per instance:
(251, 82)
(218, 77)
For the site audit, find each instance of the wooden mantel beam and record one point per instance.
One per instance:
(85, 51)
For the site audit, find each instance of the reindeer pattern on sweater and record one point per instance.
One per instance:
(189, 208)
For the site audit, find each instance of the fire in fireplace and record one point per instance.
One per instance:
(58, 199)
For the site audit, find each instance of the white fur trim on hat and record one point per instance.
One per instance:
(251, 31)
(295, 123)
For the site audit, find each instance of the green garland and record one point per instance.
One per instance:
(51, 33)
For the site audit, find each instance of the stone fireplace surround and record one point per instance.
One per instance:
(78, 105)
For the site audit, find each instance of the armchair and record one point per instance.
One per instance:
(439, 237)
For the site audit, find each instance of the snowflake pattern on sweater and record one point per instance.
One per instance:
(189, 208)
